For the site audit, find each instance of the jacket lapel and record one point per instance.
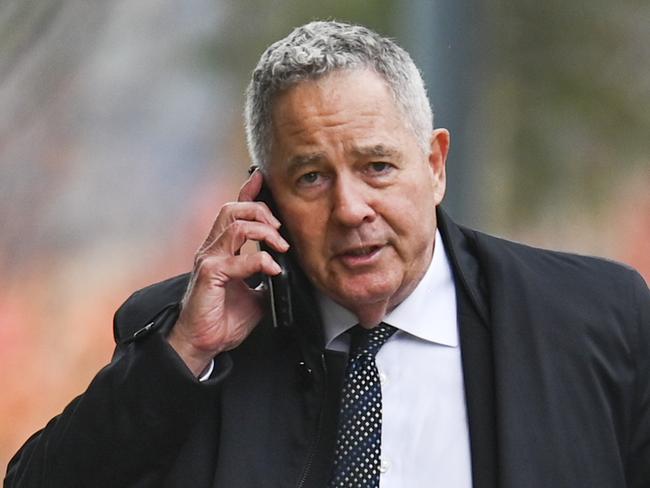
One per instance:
(476, 352)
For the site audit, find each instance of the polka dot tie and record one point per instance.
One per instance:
(358, 442)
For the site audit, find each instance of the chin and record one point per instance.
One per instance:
(354, 295)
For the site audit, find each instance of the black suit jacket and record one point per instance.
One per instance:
(556, 359)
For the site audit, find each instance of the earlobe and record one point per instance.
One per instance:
(438, 160)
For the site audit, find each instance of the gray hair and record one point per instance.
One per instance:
(319, 48)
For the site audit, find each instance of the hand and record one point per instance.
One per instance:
(219, 310)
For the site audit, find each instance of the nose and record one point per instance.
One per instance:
(351, 202)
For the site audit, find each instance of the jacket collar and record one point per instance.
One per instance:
(460, 244)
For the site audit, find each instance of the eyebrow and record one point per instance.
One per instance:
(374, 151)
(377, 151)
(296, 162)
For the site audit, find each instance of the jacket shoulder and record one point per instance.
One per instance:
(143, 305)
(515, 252)
(528, 266)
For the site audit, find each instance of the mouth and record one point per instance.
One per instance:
(361, 256)
(360, 251)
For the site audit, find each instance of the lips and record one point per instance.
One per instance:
(360, 257)
(360, 251)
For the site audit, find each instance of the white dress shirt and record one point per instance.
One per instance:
(425, 437)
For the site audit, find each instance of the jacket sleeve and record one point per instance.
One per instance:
(127, 426)
(639, 452)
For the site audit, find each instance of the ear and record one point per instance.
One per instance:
(438, 161)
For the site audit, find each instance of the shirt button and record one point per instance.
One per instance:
(384, 465)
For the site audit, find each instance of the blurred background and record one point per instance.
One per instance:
(121, 135)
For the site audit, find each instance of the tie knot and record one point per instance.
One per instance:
(369, 341)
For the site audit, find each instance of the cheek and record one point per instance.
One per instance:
(412, 222)
(307, 239)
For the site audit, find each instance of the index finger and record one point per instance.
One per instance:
(251, 188)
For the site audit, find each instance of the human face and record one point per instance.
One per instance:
(355, 190)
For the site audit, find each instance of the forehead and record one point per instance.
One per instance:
(363, 85)
(355, 107)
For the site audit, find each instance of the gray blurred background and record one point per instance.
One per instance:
(121, 135)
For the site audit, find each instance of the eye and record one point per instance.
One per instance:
(379, 167)
(309, 179)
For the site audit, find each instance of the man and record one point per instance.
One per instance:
(500, 365)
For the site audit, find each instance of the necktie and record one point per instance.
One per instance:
(358, 441)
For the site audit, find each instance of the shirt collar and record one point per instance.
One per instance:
(428, 313)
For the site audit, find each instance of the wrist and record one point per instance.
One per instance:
(196, 360)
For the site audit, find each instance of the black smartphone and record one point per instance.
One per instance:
(279, 286)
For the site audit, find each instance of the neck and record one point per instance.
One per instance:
(372, 315)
